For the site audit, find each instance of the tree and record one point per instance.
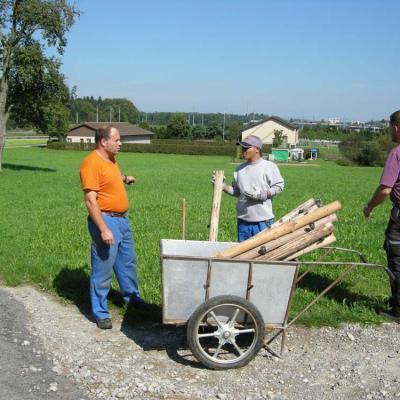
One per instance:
(199, 132)
(214, 130)
(233, 130)
(29, 77)
(39, 84)
(278, 138)
(108, 110)
(178, 126)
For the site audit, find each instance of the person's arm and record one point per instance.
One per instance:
(276, 185)
(277, 182)
(232, 190)
(94, 211)
(228, 189)
(381, 194)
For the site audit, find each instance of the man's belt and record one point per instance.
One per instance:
(115, 214)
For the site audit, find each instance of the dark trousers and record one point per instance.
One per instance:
(392, 248)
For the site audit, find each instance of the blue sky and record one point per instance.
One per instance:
(311, 59)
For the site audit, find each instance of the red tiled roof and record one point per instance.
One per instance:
(125, 129)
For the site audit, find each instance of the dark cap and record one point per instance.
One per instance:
(251, 141)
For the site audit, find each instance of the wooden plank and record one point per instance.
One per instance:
(274, 233)
(215, 207)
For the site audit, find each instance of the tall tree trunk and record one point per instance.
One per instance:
(3, 117)
(4, 111)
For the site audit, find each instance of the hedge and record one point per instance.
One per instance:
(191, 148)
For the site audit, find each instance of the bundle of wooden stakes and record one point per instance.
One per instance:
(306, 228)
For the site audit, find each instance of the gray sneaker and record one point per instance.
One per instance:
(104, 323)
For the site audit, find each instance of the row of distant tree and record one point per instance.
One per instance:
(89, 109)
(179, 126)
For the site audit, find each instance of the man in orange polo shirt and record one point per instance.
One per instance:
(112, 245)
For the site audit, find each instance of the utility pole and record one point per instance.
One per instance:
(97, 113)
(223, 130)
(77, 117)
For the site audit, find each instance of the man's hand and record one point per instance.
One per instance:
(213, 180)
(367, 211)
(261, 196)
(129, 180)
(107, 237)
(95, 214)
(381, 193)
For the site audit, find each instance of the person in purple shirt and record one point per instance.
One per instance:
(389, 185)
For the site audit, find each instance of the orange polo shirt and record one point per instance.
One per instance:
(104, 178)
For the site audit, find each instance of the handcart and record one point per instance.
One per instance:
(230, 304)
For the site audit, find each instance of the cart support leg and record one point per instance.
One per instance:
(283, 351)
(339, 279)
(283, 343)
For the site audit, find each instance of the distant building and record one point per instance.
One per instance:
(130, 133)
(334, 122)
(266, 128)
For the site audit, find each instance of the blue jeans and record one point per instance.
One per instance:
(120, 256)
(246, 230)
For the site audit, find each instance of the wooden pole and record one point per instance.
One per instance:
(216, 203)
(326, 241)
(285, 228)
(308, 206)
(297, 211)
(183, 219)
(266, 247)
(298, 244)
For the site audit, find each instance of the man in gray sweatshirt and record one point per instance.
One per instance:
(256, 182)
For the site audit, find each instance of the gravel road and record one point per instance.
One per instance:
(152, 362)
(25, 371)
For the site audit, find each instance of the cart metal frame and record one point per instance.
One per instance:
(276, 328)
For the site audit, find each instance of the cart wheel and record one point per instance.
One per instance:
(225, 332)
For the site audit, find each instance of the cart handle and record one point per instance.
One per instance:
(361, 255)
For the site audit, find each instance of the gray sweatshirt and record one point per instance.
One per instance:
(252, 183)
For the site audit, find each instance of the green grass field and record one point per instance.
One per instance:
(45, 240)
(23, 142)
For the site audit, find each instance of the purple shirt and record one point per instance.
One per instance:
(391, 174)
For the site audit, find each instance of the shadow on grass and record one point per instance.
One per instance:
(339, 293)
(73, 284)
(19, 167)
(142, 325)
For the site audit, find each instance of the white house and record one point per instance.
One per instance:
(266, 128)
(130, 133)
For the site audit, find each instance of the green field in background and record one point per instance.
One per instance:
(45, 240)
(24, 142)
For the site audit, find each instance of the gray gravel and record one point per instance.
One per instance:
(25, 371)
(153, 362)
